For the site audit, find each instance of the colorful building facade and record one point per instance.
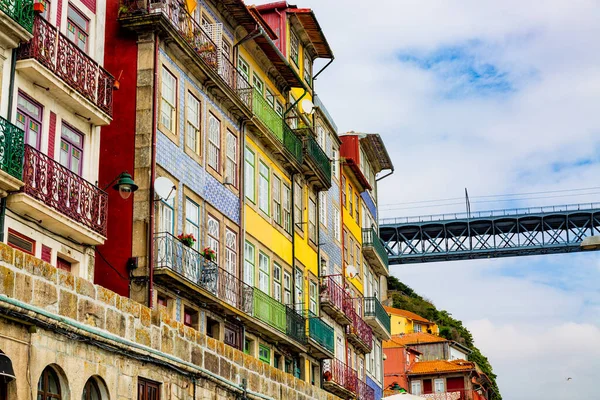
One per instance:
(404, 322)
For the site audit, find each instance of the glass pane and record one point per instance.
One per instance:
(77, 18)
(53, 385)
(64, 154)
(71, 135)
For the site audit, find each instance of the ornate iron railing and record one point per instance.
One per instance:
(292, 143)
(296, 325)
(337, 372)
(320, 332)
(65, 191)
(364, 391)
(269, 310)
(171, 253)
(360, 328)
(268, 116)
(371, 238)
(458, 394)
(60, 55)
(12, 148)
(374, 308)
(19, 10)
(314, 151)
(197, 38)
(333, 293)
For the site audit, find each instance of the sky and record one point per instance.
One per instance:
(499, 97)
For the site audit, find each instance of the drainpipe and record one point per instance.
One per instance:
(152, 178)
(321, 70)
(293, 185)
(342, 205)
(242, 192)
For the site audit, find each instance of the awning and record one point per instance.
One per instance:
(6, 369)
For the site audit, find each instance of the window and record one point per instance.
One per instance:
(232, 336)
(29, 119)
(418, 328)
(312, 295)
(162, 300)
(438, 385)
(336, 224)
(243, 68)
(91, 391)
(378, 368)
(343, 189)
(357, 258)
(276, 200)
(46, 13)
(263, 272)
(190, 317)
(167, 215)
(250, 161)
(312, 220)
(263, 187)
(323, 208)
(63, 264)
(169, 100)
(49, 385)
(361, 368)
(231, 252)
(287, 209)
(231, 162)
(249, 261)
(287, 287)
(270, 97)
(193, 123)
(214, 142)
(277, 282)
(335, 156)
(148, 390)
(259, 86)
(307, 68)
(248, 345)
(192, 220)
(46, 253)
(415, 387)
(213, 236)
(264, 353)
(299, 282)
(71, 149)
(78, 28)
(279, 108)
(298, 201)
(226, 47)
(350, 206)
(356, 208)
(21, 242)
(294, 47)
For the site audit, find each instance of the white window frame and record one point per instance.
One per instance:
(438, 385)
(264, 273)
(250, 175)
(323, 208)
(264, 179)
(277, 281)
(168, 109)
(415, 388)
(276, 195)
(231, 251)
(214, 143)
(249, 263)
(231, 163)
(244, 68)
(193, 122)
(213, 235)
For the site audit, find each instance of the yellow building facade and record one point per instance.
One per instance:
(403, 322)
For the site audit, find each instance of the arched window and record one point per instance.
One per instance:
(49, 385)
(91, 391)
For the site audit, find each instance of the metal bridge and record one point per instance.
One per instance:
(499, 233)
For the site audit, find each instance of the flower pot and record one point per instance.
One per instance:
(187, 243)
(39, 8)
(116, 85)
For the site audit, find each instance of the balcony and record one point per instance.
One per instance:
(53, 61)
(16, 22)
(377, 318)
(317, 163)
(334, 301)
(458, 394)
(364, 391)
(374, 252)
(320, 337)
(195, 44)
(296, 325)
(359, 333)
(280, 138)
(339, 379)
(270, 311)
(63, 201)
(12, 151)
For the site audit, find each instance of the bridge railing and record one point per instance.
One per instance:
(489, 213)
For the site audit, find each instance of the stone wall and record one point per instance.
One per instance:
(50, 317)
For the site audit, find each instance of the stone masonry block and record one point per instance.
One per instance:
(145, 316)
(115, 322)
(129, 306)
(67, 305)
(197, 356)
(106, 296)
(23, 287)
(142, 336)
(45, 270)
(7, 253)
(211, 362)
(7, 281)
(65, 279)
(44, 294)
(31, 263)
(85, 288)
(91, 313)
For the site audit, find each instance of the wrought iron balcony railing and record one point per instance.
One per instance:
(270, 311)
(374, 308)
(60, 55)
(12, 149)
(19, 10)
(65, 191)
(197, 38)
(360, 331)
(332, 293)
(296, 325)
(171, 253)
(335, 371)
(371, 239)
(313, 150)
(292, 143)
(458, 394)
(321, 332)
(364, 391)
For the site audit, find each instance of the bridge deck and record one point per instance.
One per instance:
(498, 233)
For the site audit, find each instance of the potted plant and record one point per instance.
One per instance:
(39, 8)
(187, 239)
(209, 254)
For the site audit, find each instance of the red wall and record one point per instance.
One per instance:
(277, 23)
(117, 154)
(349, 148)
(455, 384)
(395, 366)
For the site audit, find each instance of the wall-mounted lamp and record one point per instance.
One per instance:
(125, 185)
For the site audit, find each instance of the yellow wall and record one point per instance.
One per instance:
(400, 325)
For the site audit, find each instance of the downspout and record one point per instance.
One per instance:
(11, 88)
(152, 178)
(385, 176)
(242, 191)
(293, 185)
(321, 70)
(342, 205)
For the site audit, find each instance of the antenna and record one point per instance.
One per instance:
(164, 188)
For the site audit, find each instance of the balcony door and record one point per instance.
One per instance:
(29, 119)
(71, 149)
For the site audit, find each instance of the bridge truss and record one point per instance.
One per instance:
(499, 233)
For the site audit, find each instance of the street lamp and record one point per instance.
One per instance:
(125, 185)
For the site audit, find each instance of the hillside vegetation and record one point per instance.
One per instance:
(405, 298)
